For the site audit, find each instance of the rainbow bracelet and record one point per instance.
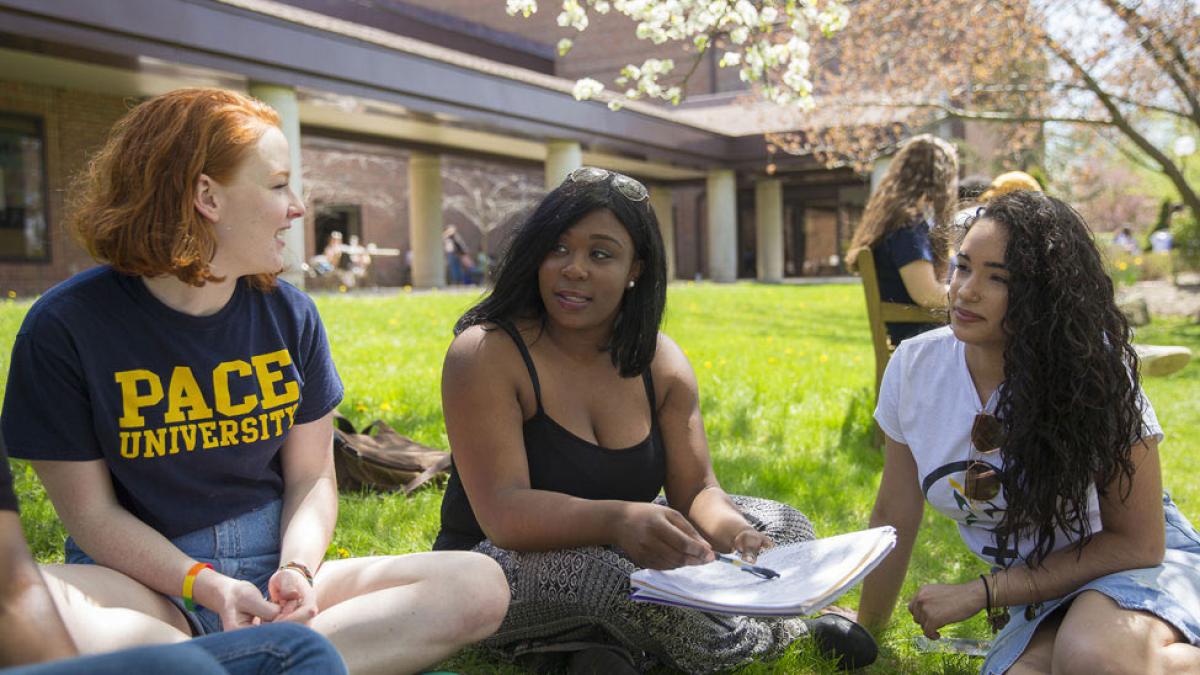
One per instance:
(189, 581)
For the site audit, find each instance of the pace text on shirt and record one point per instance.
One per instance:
(191, 421)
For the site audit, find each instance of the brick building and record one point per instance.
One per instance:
(407, 117)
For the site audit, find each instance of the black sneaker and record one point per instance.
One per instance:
(840, 638)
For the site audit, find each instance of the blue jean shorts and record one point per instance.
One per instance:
(244, 547)
(1170, 591)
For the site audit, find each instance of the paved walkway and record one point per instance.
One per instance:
(1163, 297)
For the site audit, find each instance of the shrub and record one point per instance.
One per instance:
(1186, 233)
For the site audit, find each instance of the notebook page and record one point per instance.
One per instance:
(810, 572)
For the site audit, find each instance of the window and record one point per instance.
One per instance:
(23, 231)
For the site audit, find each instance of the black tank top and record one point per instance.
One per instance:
(560, 461)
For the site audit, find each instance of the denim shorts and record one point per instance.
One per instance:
(1170, 591)
(244, 547)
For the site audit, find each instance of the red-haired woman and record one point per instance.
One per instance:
(176, 403)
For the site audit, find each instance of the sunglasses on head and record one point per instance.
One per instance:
(983, 479)
(628, 187)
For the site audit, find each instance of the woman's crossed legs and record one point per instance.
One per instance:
(1096, 635)
(384, 613)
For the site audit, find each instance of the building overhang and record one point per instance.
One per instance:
(223, 44)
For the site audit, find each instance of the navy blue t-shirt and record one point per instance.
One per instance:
(899, 248)
(189, 413)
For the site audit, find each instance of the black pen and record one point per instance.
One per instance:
(763, 572)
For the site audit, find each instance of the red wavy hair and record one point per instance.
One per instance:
(134, 207)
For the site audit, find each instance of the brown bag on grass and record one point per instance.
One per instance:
(381, 459)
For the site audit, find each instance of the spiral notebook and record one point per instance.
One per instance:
(812, 574)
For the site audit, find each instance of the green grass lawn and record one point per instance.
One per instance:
(785, 380)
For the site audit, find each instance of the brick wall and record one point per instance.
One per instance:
(74, 123)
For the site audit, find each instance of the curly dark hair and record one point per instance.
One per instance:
(515, 295)
(1070, 403)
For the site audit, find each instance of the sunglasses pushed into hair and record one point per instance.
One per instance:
(983, 479)
(628, 187)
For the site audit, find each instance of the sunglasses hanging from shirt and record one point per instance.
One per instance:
(982, 477)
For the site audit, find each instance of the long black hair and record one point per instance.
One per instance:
(1070, 403)
(515, 294)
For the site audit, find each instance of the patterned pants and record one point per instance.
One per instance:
(571, 599)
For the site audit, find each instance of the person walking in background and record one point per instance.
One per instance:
(1125, 241)
(455, 248)
(905, 225)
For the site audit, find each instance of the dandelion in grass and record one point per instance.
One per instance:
(824, 358)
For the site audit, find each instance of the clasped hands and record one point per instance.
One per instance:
(936, 605)
(240, 604)
(659, 537)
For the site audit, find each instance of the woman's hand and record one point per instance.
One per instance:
(238, 603)
(750, 542)
(936, 605)
(296, 598)
(659, 537)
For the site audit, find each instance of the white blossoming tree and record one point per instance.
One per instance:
(766, 40)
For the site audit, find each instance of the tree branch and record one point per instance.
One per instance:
(1053, 86)
(1142, 29)
(1119, 121)
(985, 116)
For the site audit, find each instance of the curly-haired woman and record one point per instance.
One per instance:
(905, 223)
(1023, 421)
(177, 404)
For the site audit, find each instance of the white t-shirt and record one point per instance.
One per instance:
(928, 402)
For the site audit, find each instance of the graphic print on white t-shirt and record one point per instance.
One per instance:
(928, 402)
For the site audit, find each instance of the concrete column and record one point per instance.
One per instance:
(562, 157)
(768, 216)
(721, 228)
(425, 220)
(283, 100)
(877, 171)
(663, 205)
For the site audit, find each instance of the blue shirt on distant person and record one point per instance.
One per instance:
(899, 248)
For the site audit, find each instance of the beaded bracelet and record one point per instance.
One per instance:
(299, 567)
(189, 581)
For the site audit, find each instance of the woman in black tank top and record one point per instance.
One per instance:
(567, 413)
